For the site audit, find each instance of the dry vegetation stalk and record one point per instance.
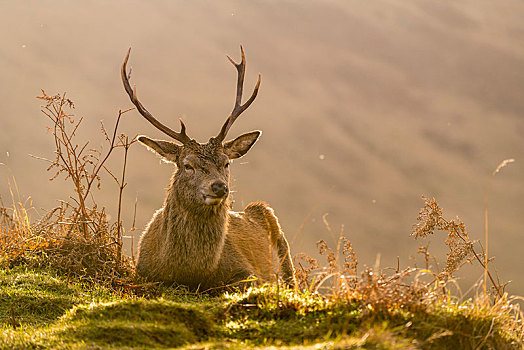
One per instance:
(76, 236)
(461, 248)
(486, 235)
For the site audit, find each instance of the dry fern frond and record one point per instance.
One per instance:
(461, 248)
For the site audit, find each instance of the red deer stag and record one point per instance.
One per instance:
(195, 239)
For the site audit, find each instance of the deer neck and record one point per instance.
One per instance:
(196, 231)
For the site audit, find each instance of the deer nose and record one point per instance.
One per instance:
(219, 188)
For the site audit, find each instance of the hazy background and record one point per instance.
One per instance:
(364, 106)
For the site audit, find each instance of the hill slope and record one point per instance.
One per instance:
(43, 310)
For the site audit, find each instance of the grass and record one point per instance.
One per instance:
(45, 310)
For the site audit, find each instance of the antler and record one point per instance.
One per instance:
(179, 136)
(239, 107)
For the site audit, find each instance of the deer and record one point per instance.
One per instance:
(195, 239)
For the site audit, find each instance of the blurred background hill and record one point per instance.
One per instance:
(364, 107)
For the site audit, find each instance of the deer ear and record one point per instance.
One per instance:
(169, 151)
(238, 147)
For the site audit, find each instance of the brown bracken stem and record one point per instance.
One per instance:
(121, 190)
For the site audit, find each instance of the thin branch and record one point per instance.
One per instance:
(111, 148)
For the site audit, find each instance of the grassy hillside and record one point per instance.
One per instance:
(62, 287)
(65, 282)
(42, 309)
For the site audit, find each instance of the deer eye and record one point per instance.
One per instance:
(227, 165)
(188, 167)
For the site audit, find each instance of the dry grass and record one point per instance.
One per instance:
(461, 248)
(502, 164)
(389, 291)
(76, 237)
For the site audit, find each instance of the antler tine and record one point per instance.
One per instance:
(179, 136)
(239, 107)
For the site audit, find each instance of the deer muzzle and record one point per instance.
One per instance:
(219, 193)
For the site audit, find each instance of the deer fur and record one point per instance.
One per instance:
(206, 246)
(195, 239)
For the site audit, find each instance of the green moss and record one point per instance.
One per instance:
(34, 297)
(53, 313)
(137, 322)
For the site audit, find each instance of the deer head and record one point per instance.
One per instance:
(202, 175)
